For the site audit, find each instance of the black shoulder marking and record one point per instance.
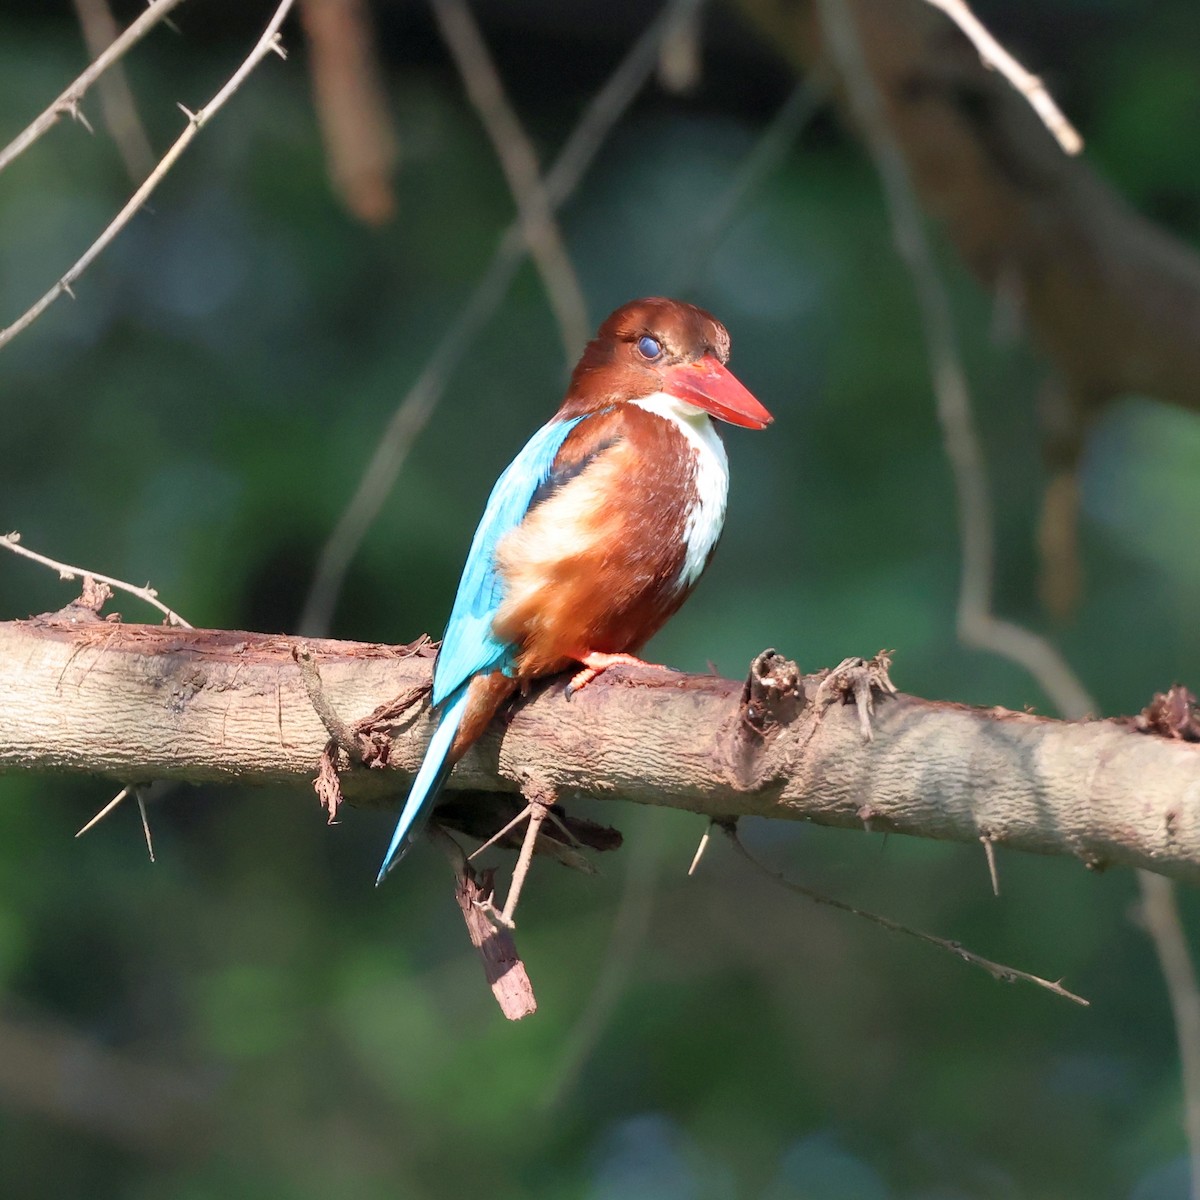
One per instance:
(560, 476)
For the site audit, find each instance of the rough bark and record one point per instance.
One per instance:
(138, 703)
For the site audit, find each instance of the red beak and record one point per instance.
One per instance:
(710, 385)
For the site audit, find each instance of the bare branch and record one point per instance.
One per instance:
(502, 965)
(12, 541)
(116, 99)
(1030, 86)
(977, 623)
(519, 162)
(764, 158)
(411, 416)
(996, 970)
(67, 103)
(269, 43)
(147, 702)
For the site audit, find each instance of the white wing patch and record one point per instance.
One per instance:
(706, 516)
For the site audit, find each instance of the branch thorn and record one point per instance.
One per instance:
(141, 803)
(700, 849)
(106, 810)
(989, 849)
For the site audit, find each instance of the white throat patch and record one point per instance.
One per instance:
(706, 515)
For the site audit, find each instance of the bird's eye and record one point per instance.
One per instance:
(649, 347)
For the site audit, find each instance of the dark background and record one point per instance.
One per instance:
(199, 417)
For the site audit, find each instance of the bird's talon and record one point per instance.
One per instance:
(594, 664)
(581, 679)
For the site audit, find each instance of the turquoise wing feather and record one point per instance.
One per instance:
(469, 646)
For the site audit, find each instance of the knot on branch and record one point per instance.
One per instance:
(772, 697)
(773, 694)
(85, 608)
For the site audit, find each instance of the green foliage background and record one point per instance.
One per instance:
(200, 416)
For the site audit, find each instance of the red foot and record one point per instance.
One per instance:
(595, 664)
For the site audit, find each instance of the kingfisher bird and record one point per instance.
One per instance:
(596, 532)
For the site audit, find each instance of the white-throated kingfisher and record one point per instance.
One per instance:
(596, 532)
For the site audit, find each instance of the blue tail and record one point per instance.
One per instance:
(429, 780)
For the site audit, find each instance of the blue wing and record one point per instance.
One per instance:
(469, 646)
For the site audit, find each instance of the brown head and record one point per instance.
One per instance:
(660, 345)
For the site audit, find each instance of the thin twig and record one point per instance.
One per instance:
(765, 157)
(989, 852)
(411, 416)
(519, 162)
(269, 43)
(996, 970)
(116, 98)
(499, 834)
(12, 541)
(67, 103)
(537, 814)
(994, 56)
(977, 625)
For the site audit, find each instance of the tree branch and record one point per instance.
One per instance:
(100, 30)
(1113, 300)
(67, 103)
(996, 58)
(139, 702)
(269, 43)
(518, 159)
